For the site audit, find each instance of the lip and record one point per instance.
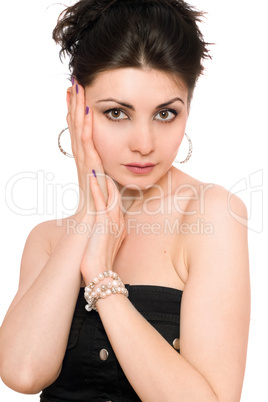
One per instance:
(139, 168)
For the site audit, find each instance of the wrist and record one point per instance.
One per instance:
(89, 274)
(102, 286)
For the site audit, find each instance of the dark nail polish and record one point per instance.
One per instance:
(76, 88)
(87, 110)
(72, 79)
(94, 173)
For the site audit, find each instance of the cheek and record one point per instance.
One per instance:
(105, 143)
(99, 139)
(171, 145)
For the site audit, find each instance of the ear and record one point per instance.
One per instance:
(68, 96)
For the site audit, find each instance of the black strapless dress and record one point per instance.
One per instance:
(90, 370)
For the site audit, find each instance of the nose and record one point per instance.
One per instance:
(142, 139)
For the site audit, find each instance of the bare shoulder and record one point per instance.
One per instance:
(38, 248)
(49, 232)
(213, 220)
(207, 200)
(219, 204)
(225, 212)
(36, 252)
(221, 221)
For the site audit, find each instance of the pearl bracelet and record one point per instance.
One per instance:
(93, 294)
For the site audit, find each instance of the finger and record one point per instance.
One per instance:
(98, 196)
(114, 199)
(91, 155)
(79, 111)
(88, 120)
(87, 141)
(101, 177)
(76, 115)
(71, 117)
(114, 206)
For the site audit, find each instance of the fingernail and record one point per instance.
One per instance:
(76, 88)
(94, 173)
(72, 79)
(87, 110)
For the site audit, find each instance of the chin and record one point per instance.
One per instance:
(139, 184)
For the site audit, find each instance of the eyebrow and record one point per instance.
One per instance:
(127, 105)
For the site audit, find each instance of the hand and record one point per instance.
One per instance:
(84, 152)
(108, 231)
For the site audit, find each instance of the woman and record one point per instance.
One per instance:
(142, 294)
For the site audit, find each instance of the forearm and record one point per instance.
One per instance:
(34, 333)
(155, 370)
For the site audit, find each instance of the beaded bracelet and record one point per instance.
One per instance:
(93, 294)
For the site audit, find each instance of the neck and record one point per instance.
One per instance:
(133, 199)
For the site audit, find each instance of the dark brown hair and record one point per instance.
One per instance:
(109, 34)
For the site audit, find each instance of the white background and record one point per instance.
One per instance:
(227, 125)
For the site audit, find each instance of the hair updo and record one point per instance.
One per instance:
(101, 35)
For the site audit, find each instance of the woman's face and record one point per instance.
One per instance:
(139, 120)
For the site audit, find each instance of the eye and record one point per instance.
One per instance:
(115, 115)
(167, 115)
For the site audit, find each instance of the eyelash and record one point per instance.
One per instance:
(120, 110)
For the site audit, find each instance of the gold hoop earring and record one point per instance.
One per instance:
(60, 147)
(189, 152)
